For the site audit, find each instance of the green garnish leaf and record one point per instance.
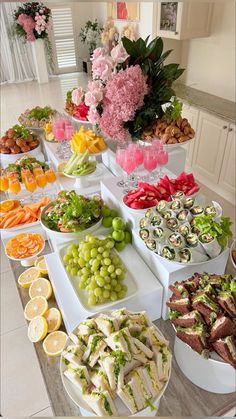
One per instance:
(220, 230)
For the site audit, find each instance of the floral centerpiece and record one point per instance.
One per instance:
(129, 86)
(75, 105)
(32, 21)
(91, 34)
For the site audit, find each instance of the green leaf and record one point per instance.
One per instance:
(155, 49)
(129, 47)
(141, 46)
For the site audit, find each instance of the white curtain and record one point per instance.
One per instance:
(16, 56)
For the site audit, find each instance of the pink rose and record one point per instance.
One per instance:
(93, 116)
(77, 96)
(102, 68)
(119, 54)
(97, 53)
(93, 98)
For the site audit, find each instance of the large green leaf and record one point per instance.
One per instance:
(155, 49)
(129, 47)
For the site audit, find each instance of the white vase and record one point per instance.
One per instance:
(40, 61)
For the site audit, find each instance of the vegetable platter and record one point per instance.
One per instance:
(116, 363)
(184, 232)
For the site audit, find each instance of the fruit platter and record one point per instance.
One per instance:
(24, 247)
(14, 215)
(171, 128)
(97, 273)
(84, 140)
(116, 363)
(72, 215)
(26, 171)
(184, 232)
(147, 195)
(16, 141)
(75, 105)
(36, 117)
(203, 312)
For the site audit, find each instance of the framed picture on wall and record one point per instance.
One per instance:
(122, 10)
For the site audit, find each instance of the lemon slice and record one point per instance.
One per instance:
(37, 329)
(41, 287)
(54, 343)
(28, 276)
(35, 307)
(40, 264)
(53, 317)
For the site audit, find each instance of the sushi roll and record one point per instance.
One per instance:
(156, 221)
(162, 206)
(179, 195)
(187, 255)
(168, 214)
(161, 234)
(149, 213)
(184, 229)
(176, 240)
(197, 210)
(194, 229)
(144, 233)
(151, 244)
(210, 210)
(184, 215)
(192, 241)
(189, 203)
(144, 222)
(210, 245)
(176, 205)
(168, 252)
(172, 224)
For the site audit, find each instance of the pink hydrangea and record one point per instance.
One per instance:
(123, 95)
(102, 68)
(28, 24)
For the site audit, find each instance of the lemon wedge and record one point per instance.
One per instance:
(37, 329)
(53, 317)
(41, 287)
(28, 276)
(40, 264)
(35, 307)
(54, 343)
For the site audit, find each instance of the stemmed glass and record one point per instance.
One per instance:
(163, 158)
(150, 160)
(120, 155)
(129, 165)
(63, 130)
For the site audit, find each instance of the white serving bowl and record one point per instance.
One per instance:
(65, 236)
(77, 398)
(212, 374)
(11, 158)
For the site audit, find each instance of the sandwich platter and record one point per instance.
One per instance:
(203, 313)
(108, 371)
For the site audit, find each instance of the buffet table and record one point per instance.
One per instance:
(182, 398)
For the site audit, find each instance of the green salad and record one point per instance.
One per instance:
(72, 213)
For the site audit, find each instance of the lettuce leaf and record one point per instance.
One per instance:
(220, 230)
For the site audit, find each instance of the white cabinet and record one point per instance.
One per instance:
(209, 147)
(227, 175)
(183, 20)
(191, 114)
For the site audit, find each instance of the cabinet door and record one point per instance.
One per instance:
(227, 175)
(191, 114)
(210, 146)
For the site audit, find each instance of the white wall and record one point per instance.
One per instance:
(210, 62)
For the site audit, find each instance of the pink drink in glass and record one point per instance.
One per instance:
(69, 131)
(163, 158)
(150, 159)
(59, 134)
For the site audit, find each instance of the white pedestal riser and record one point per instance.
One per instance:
(40, 61)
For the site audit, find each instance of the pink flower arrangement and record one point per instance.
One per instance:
(28, 24)
(77, 96)
(119, 54)
(102, 67)
(32, 21)
(124, 94)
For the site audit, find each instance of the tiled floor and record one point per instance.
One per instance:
(23, 392)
